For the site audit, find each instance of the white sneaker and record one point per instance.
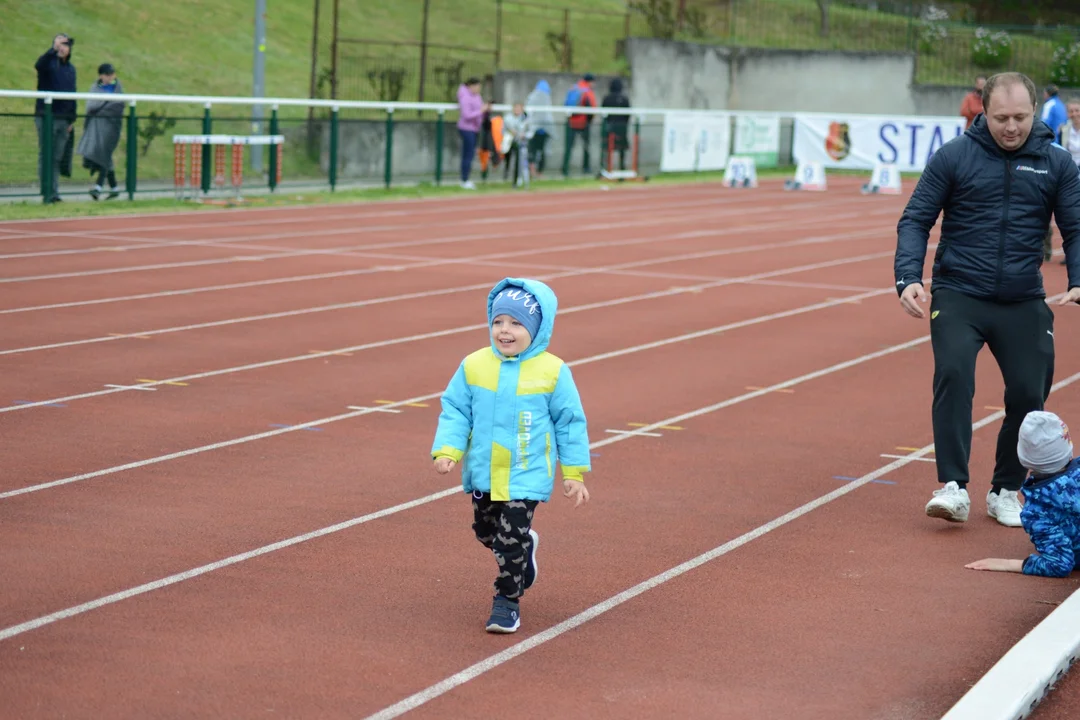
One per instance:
(1004, 507)
(468, 185)
(949, 503)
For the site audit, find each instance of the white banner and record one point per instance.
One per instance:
(863, 141)
(695, 142)
(758, 137)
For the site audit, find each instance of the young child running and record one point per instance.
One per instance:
(510, 412)
(1051, 513)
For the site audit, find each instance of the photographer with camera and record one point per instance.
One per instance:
(55, 73)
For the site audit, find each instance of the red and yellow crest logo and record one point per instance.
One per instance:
(838, 142)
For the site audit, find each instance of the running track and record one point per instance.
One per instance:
(219, 500)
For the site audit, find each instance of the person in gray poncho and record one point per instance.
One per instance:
(104, 121)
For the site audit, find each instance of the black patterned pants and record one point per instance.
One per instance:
(503, 528)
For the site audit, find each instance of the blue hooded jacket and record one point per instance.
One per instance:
(509, 420)
(1051, 518)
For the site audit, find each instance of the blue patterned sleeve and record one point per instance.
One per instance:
(1053, 556)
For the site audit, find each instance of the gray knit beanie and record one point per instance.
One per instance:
(1044, 446)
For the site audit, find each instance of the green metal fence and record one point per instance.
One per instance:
(327, 145)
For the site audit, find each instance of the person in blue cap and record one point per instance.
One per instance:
(510, 413)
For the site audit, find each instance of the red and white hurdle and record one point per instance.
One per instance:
(187, 179)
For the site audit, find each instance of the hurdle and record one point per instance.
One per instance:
(183, 180)
(610, 173)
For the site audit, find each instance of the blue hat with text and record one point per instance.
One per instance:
(520, 305)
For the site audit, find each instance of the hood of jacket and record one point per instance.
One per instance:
(549, 305)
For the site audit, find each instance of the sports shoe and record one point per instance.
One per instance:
(504, 616)
(949, 503)
(1004, 507)
(530, 562)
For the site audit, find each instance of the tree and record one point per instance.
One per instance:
(823, 7)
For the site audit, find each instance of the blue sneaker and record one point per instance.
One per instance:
(504, 616)
(530, 562)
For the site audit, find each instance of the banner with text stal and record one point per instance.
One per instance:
(863, 141)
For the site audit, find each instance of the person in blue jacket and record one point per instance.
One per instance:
(1051, 514)
(1054, 112)
(998, 184)
(511, 413)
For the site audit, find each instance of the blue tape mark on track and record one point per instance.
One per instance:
(31, 402)
(849, 479)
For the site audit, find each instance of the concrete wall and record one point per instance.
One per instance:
(679, 75)
(668, 75)
(938, 99)
(689, 75)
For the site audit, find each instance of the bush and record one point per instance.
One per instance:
(932, 30)
(991, 50)
(1065, 67)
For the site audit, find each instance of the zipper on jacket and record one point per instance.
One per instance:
(1004, 228)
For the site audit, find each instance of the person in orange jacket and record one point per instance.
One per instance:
(972, 104)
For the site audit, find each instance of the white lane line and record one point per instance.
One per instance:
(373, 409)
(436, 205)
(132, 387)
(360, 412)
(490, 663)
(139, 268)
(196, 572)
(477, 259)
(664, 215)
(655, 217)
(202, 570)
(887, 455)
(277, 253)
(377, 301)
(634, 432)
(355, 213)
(478, 326)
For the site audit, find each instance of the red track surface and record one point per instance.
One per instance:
(860, 608)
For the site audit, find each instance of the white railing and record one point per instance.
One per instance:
(390, 107)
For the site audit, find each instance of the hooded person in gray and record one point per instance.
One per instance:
(544, 123)
(101, 135)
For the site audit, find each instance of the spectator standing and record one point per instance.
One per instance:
(471, 109)
(1070, 131)
(617, 125)
(517, 133)
(1053, 110)
(55, 73)
(581, 95)
(544, 123)
(101, 133)
(972, 104)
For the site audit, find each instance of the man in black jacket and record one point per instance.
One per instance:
(998, 184)
(55, 72)
(617, 125)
